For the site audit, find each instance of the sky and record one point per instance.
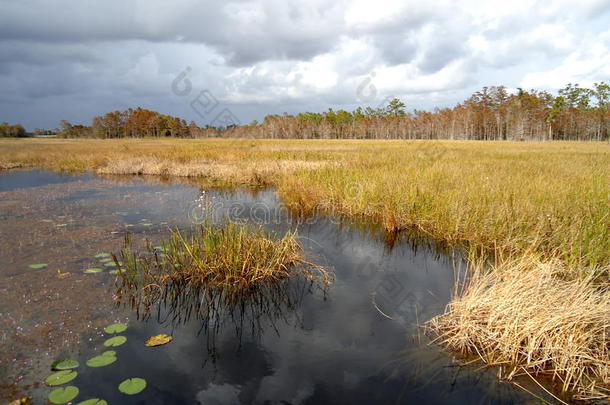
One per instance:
(73, 60)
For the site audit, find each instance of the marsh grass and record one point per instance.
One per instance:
(504, 203)
(535, 319)
(212, 266)
(497, 197)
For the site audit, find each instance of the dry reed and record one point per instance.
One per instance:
(536, 319)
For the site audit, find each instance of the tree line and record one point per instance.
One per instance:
(493, 113)
(18, 131)
(7, 130)
(131, 123)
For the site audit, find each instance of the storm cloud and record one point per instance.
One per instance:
(73, 60)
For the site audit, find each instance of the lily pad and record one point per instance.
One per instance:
(158, 340)
(63, 395)
(93, 270)
(38, 266)
(105, 259)
(102, 255)
(110, 264)
(132, 386)
(61, 377)
(115, 328)
(115, 271)
(93, 401)
(103, 359)
(64, 364)
(115, 341)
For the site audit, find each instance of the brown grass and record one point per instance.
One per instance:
(251, 174)
(533, 318)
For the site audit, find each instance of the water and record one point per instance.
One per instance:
(23, 179)
(358, 342)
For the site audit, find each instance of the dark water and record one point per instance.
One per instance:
(358, 342)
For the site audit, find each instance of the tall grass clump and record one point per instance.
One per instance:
(535, 319)
(225, 264)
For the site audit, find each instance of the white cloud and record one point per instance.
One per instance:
(583, 67)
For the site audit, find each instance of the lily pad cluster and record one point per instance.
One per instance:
(64, 372)
(105, 261)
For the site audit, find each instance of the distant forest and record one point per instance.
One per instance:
(575, 113)
(14, 131)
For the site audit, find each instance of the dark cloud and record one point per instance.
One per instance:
(22, 52)
(271, 56)
(439, 55)
(272, 30)
(397, 48)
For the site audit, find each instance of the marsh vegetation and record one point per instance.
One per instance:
(533, 318)
(212, 270)
(532, 217)
(508, 198)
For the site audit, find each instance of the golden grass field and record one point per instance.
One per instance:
(551, 197)
(539, 203)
